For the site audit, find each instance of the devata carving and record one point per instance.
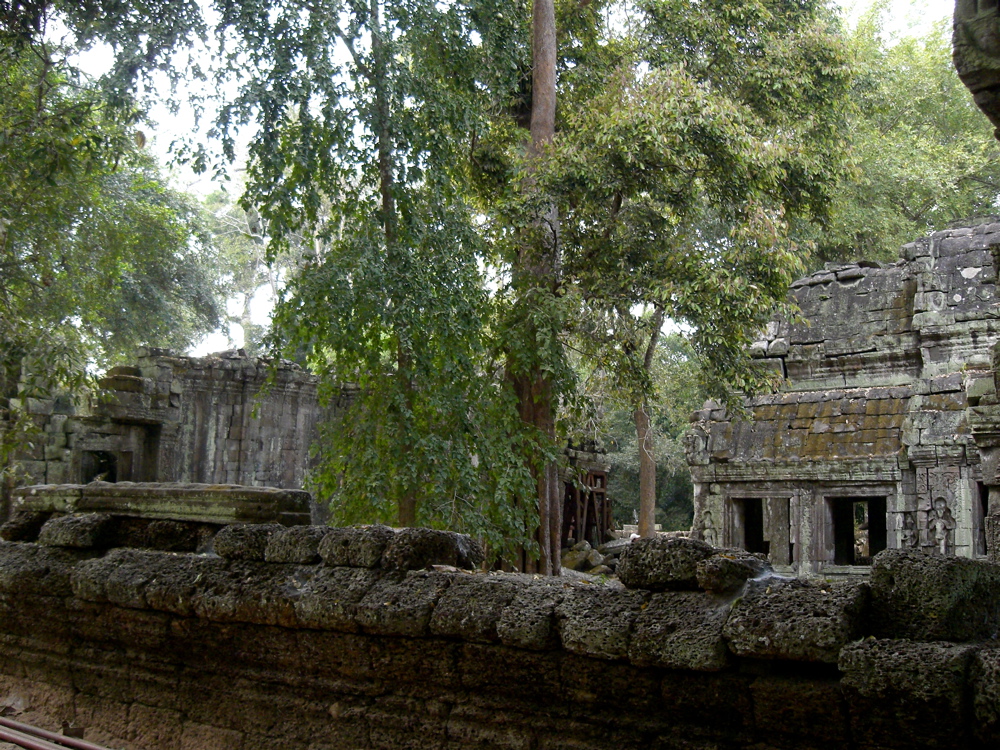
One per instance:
(909, 537)
(941, 527)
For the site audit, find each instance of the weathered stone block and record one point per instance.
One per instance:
(680, 630)
(329, 600)
(233, 591)
(401, 606)
(658, 564)
(597, 620)
(926, 597)
(162, 534)
(471, 607)
(298, 545)
(23, 526)
(355, 546)
(83, 531)
(529, 621)
(244, 541)
(415, 549)
(903, 694)
(797, 620)
(728, 569)
(32, 569)
(985, 679)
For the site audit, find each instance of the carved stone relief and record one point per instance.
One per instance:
(909, 537)
(937, 494)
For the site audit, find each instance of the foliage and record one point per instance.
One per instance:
(244, 267)
(98, 255)
(676, 391)
(366, 118)
(391, 134)
(675, 179)
(923, 155)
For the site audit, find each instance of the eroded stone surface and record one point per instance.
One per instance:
(680, 630)
(297, 544)
(401, 604)
(30, 568)
(244, 541)
(903, 694)
(729, 569)
(328, 601)
(985, 678)
(263, 654)
(82, 531)
(196, 502)
(471, 607)
(23, 526)
(416, 549)
(356, 546)
(798, 620)
(529, 621)
(658, 564)
(930, 597)
(597, 620)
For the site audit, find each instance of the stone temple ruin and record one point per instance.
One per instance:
(225, 419)
(169, 418)
(143, 628)
(882, 437)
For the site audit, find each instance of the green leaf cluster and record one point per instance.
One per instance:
(922, 157)
(97, 255)
(445, 263)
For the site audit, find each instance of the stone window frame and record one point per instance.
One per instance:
(730, 504)
(822, 531)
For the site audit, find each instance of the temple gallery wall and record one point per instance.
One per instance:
(175, 617)
(215, 420)
(884, 436)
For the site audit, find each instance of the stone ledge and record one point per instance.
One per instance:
(206, 503)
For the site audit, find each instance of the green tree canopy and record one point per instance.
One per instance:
(922, 154)
(453, 257)
(98, 256)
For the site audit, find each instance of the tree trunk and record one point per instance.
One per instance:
(407, 499)
(538, 268)
(644, 437)
(647, 472)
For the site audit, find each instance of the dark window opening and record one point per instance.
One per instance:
(859, 529)
(98, 466)
(148, 469)
(753, 525)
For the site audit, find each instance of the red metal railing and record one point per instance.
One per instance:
(33, 738)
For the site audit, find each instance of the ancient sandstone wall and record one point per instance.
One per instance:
(216, 420)
(881, 371)
(317, 638)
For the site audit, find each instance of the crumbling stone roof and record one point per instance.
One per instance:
(877, 363)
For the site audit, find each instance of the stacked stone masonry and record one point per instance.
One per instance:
(315, 638)
(224, 419)
(875, 442)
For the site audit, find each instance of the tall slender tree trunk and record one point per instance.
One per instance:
(647, 471)
(537, 267)
(407, 499)
(645, 439)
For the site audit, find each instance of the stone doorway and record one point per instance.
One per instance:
(859, 529)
